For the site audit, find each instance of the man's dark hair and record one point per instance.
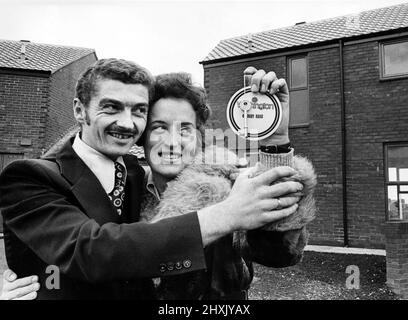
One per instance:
(179, 85)
(116, 69)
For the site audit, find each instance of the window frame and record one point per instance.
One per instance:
(306, 88)
(388, 183)
(381, 45)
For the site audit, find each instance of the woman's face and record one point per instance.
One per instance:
(171, 136)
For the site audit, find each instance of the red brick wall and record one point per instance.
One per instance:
(23, 107)
(62, 91)
(376, 112)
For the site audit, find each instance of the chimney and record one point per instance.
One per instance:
(298, 23)
(23, 49)
(250, 43)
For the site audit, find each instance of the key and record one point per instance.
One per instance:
(245, 106)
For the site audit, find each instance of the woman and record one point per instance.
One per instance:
(176, 122)
(178, 112)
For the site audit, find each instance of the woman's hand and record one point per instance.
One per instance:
(260, 81)
(252, 203)
(19, 289)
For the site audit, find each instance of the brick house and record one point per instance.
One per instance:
(37, 83)
(348, 82)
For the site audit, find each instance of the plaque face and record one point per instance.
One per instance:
(254, 116)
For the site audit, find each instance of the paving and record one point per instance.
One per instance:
(345, 250)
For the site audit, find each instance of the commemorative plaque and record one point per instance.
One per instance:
(254, 116)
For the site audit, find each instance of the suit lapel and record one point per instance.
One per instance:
(134, 188)
(85, 186)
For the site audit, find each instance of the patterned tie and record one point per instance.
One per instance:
(117, 195)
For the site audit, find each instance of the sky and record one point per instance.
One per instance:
(163, 36)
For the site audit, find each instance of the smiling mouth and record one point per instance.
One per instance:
(170, 156)
(121, 136)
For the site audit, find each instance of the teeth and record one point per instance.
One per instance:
(171, 156)
(120, 136)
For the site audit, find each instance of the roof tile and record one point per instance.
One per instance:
(364, 23)
(39, 57)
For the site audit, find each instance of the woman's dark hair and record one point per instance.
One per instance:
(179, 85)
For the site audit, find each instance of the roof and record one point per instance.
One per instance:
(364, 23)
(37, 56)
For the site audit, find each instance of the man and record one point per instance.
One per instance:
(78, 210)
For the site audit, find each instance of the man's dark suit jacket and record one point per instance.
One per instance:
(56, 212)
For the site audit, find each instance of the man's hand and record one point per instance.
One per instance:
(19, 289)
(252, 203)
(260, 81)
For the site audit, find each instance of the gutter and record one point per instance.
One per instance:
(343, 146)
(25, 72)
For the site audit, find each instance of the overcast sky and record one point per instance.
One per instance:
(163, 36)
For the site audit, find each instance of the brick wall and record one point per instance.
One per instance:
(376, 112)
(23, 107)
(397, 257)
(62, 91)
(321, 143)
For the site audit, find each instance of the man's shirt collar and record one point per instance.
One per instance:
(101, 166)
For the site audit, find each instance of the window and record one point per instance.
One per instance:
(394, 59)
(397, 181)
(298, 91)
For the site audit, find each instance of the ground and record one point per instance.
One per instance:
(320, 276)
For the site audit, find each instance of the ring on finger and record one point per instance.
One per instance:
(279, 204)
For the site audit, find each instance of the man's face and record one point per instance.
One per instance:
(115, 118)
(171, 136)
